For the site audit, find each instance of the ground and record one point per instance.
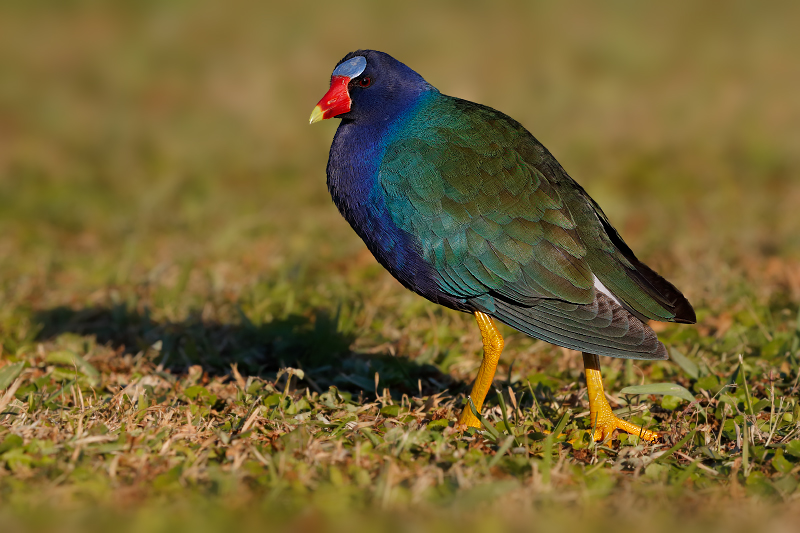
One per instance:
(192, 338)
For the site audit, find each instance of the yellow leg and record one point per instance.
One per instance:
(602, 419)
(492, 348)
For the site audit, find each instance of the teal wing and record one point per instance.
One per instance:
(486, 218)
(639, 287)
(499, 227)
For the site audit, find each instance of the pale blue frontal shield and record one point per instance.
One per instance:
(352, 67)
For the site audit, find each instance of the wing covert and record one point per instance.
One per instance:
(487, 220)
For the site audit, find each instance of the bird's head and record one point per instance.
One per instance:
(368, 85)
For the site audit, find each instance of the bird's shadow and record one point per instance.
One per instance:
(313, 343)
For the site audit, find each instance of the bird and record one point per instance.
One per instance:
(463, 206)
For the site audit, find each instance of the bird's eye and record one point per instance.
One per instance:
(366, 81)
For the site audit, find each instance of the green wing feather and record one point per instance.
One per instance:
(487, 219)
(509, 232)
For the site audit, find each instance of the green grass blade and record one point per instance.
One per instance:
(685, 363)
(676, 447)
(562, 423)
(507, 443)
(9, 373)
(660, 389)
(488, 425)
(505, 416)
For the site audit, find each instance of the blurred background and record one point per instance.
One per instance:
(158, 154)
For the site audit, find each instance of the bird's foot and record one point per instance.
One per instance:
(601, 417)
(604, 422)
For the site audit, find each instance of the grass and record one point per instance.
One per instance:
(191, 337)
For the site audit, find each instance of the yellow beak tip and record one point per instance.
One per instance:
(316, 115)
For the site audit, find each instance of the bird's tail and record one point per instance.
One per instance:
(602, 327)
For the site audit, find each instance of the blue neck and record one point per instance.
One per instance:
(353, 166)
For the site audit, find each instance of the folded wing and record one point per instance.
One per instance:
(510, 234)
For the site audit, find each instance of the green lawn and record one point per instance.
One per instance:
(191, 338)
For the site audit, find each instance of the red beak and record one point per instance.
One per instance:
(335, 102)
